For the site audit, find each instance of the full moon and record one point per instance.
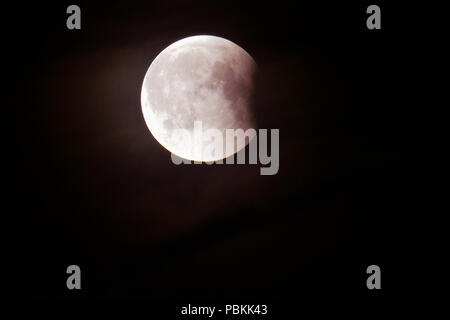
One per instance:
(203, 79)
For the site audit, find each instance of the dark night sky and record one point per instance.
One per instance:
(89, 185)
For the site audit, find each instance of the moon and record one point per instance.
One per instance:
(200, 78)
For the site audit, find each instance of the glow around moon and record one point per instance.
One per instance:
(200, 79)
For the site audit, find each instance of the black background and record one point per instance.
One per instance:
(87, 184)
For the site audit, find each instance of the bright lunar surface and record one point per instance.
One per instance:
(200, 78)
